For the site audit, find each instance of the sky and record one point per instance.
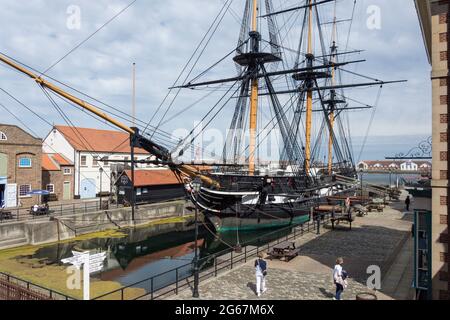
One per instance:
(160, 36)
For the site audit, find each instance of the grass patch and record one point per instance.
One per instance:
(18, 262)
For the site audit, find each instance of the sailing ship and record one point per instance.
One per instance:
(249, 200)
(240, 196)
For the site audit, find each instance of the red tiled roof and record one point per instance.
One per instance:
(144, 178)
(61, 160)
(95, 140)
(53, 161)
(48, 164)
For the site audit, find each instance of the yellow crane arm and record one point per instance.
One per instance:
(59, 91)
(185, 169)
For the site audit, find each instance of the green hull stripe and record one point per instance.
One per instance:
(275, 224)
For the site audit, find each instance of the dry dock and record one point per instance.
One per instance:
(380, 238)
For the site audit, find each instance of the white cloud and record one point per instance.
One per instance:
(160, 35)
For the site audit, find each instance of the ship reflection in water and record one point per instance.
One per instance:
(154, 250)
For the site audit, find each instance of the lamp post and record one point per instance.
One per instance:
(101, 174)
(197, 185)
(361, 177)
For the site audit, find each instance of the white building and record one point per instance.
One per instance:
(409, 165)
(85, 147)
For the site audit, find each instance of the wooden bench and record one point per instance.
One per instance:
(337, 219)
(41, 211)
(6, 215)
(275, 254)
(360, 210)
(291, 254)
(374, 206)
(282, 250)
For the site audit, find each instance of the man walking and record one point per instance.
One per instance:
(261, 272)
(407, 203)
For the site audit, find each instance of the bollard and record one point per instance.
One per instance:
(318, 225)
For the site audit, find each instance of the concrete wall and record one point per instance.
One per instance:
(67, 227)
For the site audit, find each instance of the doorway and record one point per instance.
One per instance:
(67, 195)
(2, 195)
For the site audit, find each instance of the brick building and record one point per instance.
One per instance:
(434, 17)
(20, 166)
(58, 176)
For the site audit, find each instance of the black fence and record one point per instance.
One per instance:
(13, 288)
(163, 285)
(21, 214)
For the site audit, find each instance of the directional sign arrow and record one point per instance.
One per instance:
(92, 263)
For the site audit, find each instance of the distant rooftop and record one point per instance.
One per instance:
(96, 140)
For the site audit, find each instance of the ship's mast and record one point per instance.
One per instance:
(309, 102)
(333, 94)
(253, 99)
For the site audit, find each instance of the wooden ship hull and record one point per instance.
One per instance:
(243, 207)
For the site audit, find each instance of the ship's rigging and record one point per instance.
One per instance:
(315, 94)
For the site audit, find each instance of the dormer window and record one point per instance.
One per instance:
(3, 136)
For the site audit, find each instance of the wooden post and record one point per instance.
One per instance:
(309, 102)
(253, 104)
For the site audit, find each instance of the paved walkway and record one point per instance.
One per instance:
(376, 239)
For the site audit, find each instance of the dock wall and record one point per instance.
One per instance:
(52, 229)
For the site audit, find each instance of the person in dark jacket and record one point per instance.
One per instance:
(407, 202)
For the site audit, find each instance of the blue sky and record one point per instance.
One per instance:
(160, 35)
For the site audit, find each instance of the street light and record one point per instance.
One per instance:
(196, 185)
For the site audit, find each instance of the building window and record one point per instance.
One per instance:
(83, 161)
(24, 190)
(25, 162)
(3, 136)
(67, 171)
(144, 190)
(138, 191)
(105, 161)
(51, 188)
(95, 161)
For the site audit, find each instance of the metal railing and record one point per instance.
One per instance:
(172, 281)
(27, 288)
(22, 214)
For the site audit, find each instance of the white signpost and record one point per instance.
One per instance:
(91, 263)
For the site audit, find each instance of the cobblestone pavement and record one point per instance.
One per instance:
(375, 239)
(281, 285)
